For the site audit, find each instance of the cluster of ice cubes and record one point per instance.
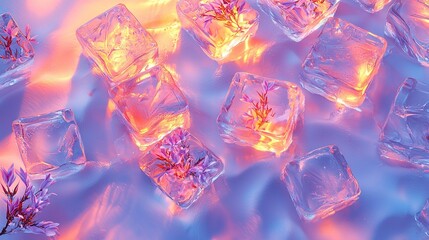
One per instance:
(258, 112)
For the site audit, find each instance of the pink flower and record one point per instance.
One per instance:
(11, 29)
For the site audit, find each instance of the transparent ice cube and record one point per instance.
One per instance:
(118, 44)
(407, 23)
(321, 183)
(404, 139)
(343, 62)
(299, 18)
(50, 144)
(152, 105)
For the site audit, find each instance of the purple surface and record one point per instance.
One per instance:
(112, 199)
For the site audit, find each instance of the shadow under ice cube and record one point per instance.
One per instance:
(343, 62)
(218, 25)
(373, 6)
(407, 23)
(321, 183)
(152, 106)
(404, 139)
(261, 112)
(181, 166)
(50, 144)
(118, 44)
(16, 52)
(299, 18)
(422, 218)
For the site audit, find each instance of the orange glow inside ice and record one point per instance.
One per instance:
(166, 125)
(353, 94)
(249, 52)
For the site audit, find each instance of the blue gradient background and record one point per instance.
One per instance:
(112, 199)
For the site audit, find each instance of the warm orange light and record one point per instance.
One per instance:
(249, 52)
(338, 229)
(161, 21)
(164, 126)
(353, 93)
(10, 153)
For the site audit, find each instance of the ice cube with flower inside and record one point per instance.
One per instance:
(181, 166)
(261, 112)
(16, 51)
(218, 25)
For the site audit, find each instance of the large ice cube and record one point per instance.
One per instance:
(218, 25)
(404, 139)
(50, 143)
(343, 62)
(16, 52)
(261, 112)
(321, 183)
(299, 18)
(118, 44)
(407, 22)
(181, 166)
(152, 105)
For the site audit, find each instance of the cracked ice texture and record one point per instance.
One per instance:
(181, 166)
(407, 23)
(373, 6)
(405, 136)
(152, 106)
(261, 112)
(422, 218)
(118, 44)
(50, 144)
(15, 55)
(299, 18)
(320, 183)
(218, 25)
(343, 62)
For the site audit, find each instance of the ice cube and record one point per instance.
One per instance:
(261, 112)
(407, 23)
(152, 105)
(181, 166)
(218, 25)
(50, 144)
(404, 139)
(299, 18)
(321, 183)
(343, 62)
(16, 52)
(118, 44)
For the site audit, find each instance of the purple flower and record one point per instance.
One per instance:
(8, 176)
(258, 114)
(28, 34)
(21, 211)
(268, 86)
(227, 11)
